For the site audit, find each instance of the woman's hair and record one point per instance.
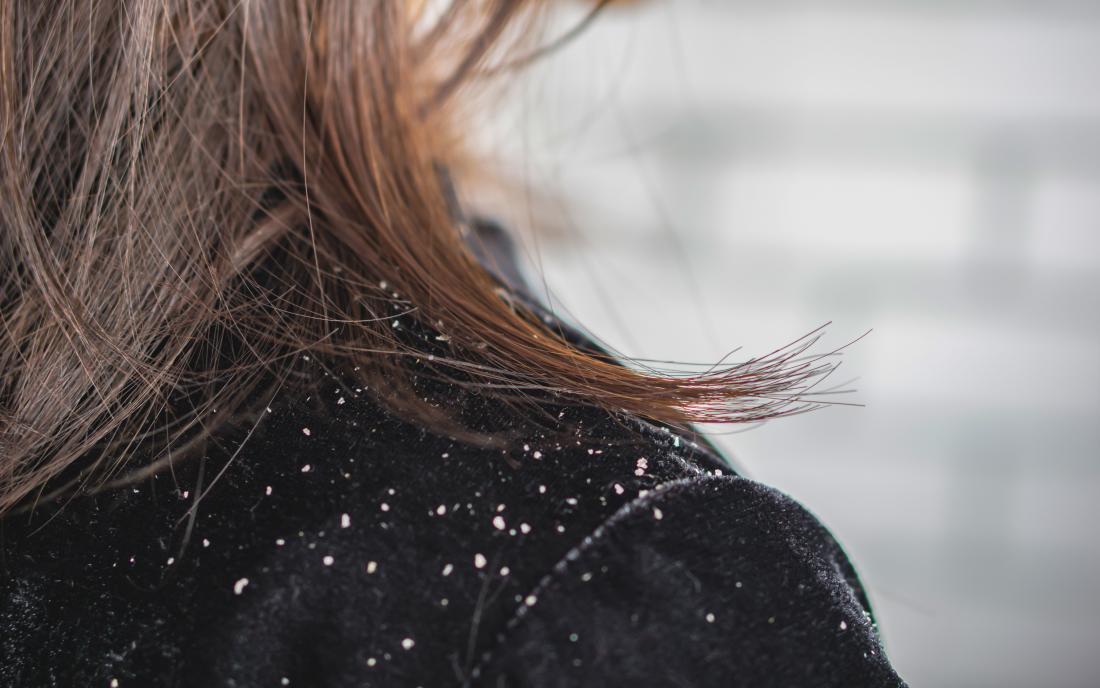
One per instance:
(195, 192)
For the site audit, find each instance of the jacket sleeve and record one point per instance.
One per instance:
(715, 581)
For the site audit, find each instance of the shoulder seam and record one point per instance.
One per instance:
(562, 565)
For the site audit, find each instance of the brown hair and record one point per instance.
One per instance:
(194, 191)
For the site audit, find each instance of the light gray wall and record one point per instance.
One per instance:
(720, 174)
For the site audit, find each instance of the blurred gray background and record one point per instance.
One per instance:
(730, 173)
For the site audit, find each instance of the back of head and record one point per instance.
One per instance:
(193, 192)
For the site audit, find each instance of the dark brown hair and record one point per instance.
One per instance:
(193, 192)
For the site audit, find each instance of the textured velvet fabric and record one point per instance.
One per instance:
(322, 542)
(341, 547)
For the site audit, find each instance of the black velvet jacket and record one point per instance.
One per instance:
(341, 547)
(326, 543)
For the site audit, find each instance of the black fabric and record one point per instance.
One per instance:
(324, 542)
(341, 547)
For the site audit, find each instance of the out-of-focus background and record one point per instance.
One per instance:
(735, 173)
